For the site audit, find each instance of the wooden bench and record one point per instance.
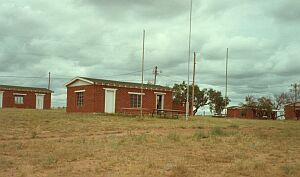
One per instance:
(165, 112)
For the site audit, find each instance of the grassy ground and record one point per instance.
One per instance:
(54, 143)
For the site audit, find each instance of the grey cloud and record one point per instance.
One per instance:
(286, 11)
(104, 38)
(146, 9)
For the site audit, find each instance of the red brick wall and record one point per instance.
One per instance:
(94, 98)
(88, 97)
(241, 113)
(29, 100)
(233, 113)
(289, 113)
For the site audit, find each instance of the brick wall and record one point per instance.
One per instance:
(94, 98)
(290, 113)
(29, 100)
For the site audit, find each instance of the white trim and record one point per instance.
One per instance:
(110, 89)
(78, 78)
(114, 100)
(160, 93)
(136, 93)
(1, 99)
(162, 101)
(21, 94)
(77, 91)
(40, 94)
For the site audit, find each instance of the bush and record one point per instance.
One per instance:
(217, 131)
(233, 126)
(173, 137)
(200, 135)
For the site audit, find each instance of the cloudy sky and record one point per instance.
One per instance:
(103, 39)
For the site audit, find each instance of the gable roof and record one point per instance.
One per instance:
(21, 88)
(119, 84)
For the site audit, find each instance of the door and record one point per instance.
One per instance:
(1, 99)
(109, 101)
(159, 102)
(39, 101)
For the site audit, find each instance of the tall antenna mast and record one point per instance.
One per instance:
(142, 84)
(49, 80)
(226, 83)
(193, 85)
(187, 111)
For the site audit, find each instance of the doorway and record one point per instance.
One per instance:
(110, 99)
(159, 101)
(39, 102)
(1, 98)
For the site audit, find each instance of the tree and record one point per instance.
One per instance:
(203, 97)
(265, 107)
(250, 102)
(281, 100)
(262, 105)
(179, 96)
(295, 90)
(217, 101)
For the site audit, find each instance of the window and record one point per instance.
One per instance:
(19, 99)
(135, 101)
(79, 99)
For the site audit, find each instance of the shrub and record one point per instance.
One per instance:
(179, 171)
(33, 134)
(217, 131)
(173, 136)
(233, 126)
(200, 135)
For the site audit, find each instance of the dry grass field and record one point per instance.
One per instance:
(54, 143)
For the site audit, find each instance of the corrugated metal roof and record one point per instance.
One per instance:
(127, 84)
(21, 88)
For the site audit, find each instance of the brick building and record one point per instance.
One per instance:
(292, 111)
(250, 113)
(24, 97)
(240, 112)
(107, 96)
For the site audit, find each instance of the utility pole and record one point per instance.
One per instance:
(49, 80)
(142, 85)
(226, 83)
(187, 112)
(155, 74)
(193, 86)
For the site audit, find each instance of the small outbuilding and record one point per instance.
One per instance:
(240, 112)
(24, 97)
(250, 113)
(108, 96)
(292, 111)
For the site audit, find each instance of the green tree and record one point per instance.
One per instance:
(200, 100)
(216, 101)
(203, 97)
(262, 105)
(250, 102)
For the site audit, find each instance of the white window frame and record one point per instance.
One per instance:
(81, 104)
(19, 101)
